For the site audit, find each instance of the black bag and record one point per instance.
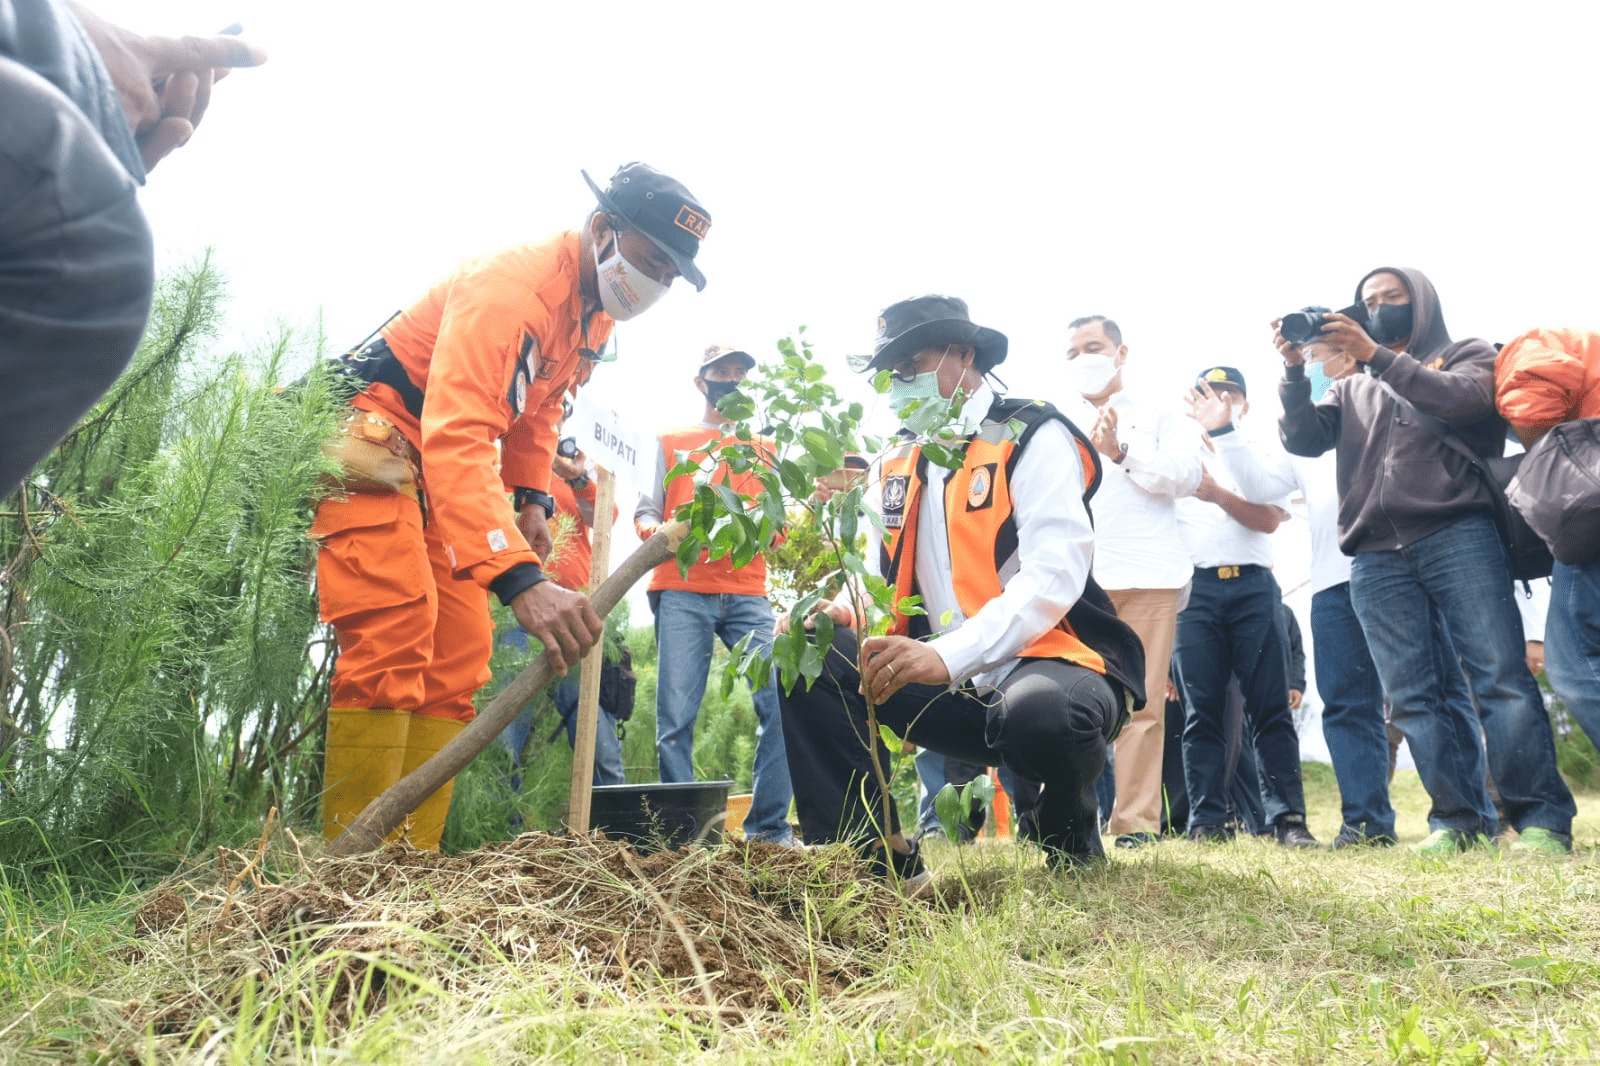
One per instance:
(1526, 551)
(1557, 490)
(618, 683)
(1528, 554)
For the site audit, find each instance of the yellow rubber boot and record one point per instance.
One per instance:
(426, 824)
(365, 750)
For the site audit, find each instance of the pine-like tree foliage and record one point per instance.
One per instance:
(167, 673)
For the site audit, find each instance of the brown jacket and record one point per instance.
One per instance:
(1397, 481)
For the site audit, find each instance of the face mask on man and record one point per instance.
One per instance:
(1320, 381)
(918, 403)
(1390, 323)
(1091, 374)
(625, 290)
(717, 391)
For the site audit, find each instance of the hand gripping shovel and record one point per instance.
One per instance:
(389, 810)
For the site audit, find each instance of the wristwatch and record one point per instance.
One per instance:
(520, 498)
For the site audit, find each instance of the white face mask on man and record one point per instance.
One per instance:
(625, 290)
(1091, 373)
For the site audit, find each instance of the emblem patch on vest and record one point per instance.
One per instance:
(980, 490)
(894, 501)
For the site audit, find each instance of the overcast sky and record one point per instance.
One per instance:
(1192, 170)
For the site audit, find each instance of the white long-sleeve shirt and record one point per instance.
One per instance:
(1264, 471)
(1213, 536)
(1135, 511)
(1055, 550)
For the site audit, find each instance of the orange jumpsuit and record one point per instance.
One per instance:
(493, 349)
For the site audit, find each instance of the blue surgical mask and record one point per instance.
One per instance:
(1320, 381)
(918, 403)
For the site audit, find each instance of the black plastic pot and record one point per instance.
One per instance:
(657, 816)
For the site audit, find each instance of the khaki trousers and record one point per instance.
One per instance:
(1153, 615)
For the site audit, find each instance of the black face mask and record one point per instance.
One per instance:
(717, 391)
(1390, 323)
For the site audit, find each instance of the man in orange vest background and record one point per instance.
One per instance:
(430, 519)
(1031, 668)
(714, 598)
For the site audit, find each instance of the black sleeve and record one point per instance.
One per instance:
(517, 580)
(1307, 429)
(1294, 645)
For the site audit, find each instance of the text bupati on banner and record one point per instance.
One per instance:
(608, 442)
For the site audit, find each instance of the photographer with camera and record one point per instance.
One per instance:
(1417, 520)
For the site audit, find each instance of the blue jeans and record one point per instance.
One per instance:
(933, 773)
(1352, 713)
(1461, 572)
(1572, 642)
(1463, 723)
(685, 625)
(1231, 626)
(607, 748)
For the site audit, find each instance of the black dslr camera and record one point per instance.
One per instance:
(1305, 325)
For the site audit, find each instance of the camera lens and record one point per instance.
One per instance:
(1303, 325)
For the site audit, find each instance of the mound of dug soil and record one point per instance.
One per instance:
(734, 929)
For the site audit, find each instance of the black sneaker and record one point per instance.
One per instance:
(1210, 834)
(1351, 837)
(1076, 858)
(1292, 833)
(1072, 849)
(908, 874)
(1136, 840)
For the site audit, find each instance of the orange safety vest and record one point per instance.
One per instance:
(979, 519)
(708, 575)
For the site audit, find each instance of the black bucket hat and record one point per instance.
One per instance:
(660, 208)
(909, 326)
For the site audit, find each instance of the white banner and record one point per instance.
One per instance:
(603, 437)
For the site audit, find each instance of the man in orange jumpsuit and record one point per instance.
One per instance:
(430, 519)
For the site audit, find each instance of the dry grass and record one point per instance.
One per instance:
(550, 950)
(738, 932)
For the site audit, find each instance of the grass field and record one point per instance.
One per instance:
(1179, 953)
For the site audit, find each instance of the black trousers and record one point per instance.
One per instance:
(76, 269)
(1049, 723)
(1231, 626)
